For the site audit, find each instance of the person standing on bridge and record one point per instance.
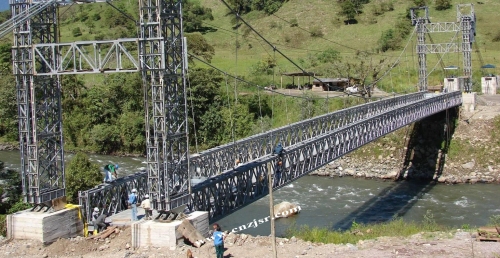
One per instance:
(218, 241)
(146, 205)
(111, 174)
(132, 201)
(279, 150)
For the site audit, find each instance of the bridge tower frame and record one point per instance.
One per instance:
(465, 25)
(38, 63)
(39, 106)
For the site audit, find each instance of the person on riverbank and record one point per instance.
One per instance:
(146, 205)
(218, 241)
(111, 174)
(132, 201)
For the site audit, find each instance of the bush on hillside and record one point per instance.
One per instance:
(81, 175)
(442, 4)
(316, 32)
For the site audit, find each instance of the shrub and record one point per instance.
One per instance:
(442, 4)
(76, 32)
(497, 37)
(294, 22)
(316, 32)
(81, 175)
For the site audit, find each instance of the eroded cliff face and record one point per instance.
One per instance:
(450, 147)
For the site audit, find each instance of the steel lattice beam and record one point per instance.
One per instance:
(85, 57)
(216, 160)
(160, 54)
(441, 27)
(39, 105)
(223, 194)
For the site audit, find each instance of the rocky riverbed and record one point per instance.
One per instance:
(472, 138)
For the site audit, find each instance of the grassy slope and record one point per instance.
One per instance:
(361, 36)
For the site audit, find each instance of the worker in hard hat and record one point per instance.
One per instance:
(95, 214)
(146, 205)
(277, 173)
(132, 201)
(237, 163)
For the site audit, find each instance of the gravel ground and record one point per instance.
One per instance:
(436, 244)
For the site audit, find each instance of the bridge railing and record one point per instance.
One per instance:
(216, 160)
(236, 188)
(112, 198)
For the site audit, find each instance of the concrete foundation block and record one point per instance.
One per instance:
(469, 101)
(162, 234)
(44, 227)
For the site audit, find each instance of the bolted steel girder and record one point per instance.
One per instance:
(216, 160)
(223, 194)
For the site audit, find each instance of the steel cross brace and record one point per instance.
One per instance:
(223, 194)
(84, 57)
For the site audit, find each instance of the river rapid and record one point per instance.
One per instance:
(337, 202)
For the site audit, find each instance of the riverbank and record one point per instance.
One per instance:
(470, 158)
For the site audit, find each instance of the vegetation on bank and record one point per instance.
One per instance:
(10, 195)
(358, 231)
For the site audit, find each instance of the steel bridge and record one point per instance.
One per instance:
(203, 181)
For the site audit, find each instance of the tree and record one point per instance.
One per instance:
(193, 16)
(442, 4)
(348, 10)
(76, 32)
(81, 175)
(8, 102)
(420, 2)
(10, 188)
(198, 45)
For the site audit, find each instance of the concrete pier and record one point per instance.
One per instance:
(469, 101)
(163, 234)
(44, 227)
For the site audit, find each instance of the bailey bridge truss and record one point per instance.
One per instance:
(464, 26)
(225, 188)
(39, 60)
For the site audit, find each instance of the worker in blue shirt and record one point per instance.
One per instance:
(132, 201)
(218, 241)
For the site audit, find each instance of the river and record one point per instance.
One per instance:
(336, 202)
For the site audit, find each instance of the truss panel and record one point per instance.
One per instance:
(214, 161)
(113, 198)
(223, 194)
(442, 48)
(88, 57)
(441, 27)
